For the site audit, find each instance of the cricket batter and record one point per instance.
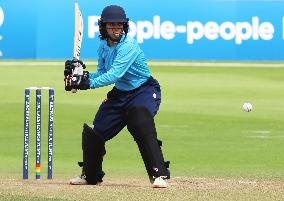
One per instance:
(133, 101)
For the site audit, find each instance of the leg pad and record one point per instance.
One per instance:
(141, 125)
(93, 151)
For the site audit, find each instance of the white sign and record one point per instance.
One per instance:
(1, 23)
(195, 30)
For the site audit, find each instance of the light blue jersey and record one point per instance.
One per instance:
(122, 64)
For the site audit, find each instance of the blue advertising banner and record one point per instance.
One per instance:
(171, 30)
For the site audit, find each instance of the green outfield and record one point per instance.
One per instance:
(205, 133)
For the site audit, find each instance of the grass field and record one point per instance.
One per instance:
(217, 151)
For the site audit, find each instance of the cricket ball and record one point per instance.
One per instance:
(247, 107)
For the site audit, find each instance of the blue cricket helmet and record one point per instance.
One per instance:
(113, 13)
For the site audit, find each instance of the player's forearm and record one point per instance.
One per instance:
(94, 75)
(103, 80)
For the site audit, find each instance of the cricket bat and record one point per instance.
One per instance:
(78, 33)
(78, 37)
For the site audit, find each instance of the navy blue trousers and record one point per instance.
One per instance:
(110, 118)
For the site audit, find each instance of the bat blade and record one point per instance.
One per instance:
(78, 34)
